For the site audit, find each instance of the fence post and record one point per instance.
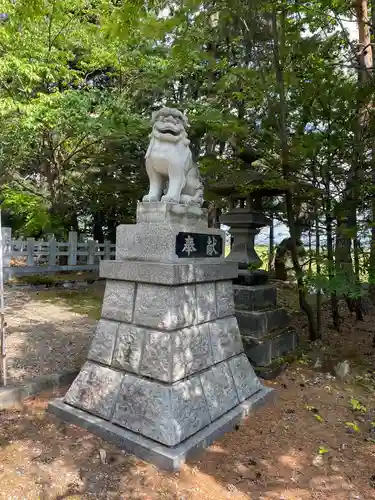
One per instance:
(30, 251)
(107, 250)
(91, 247)
(72, 249)
(7, 251)
(52, 251)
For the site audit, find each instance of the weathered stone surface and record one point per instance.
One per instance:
(225, 338)
(167, 274)
(191, 351)
(103, 343)
(160, 212)
(118, 301)
(164, 356)
(95, 389)
(224, 298)
(276, 346)
(259, 354)
(166, 414)
(284, 343)
(144, 407)
(128, 348)
(213, 271)
(147, 272)
(206, 302)
(151, 451)
(245, 379)
(164, 307)
(189, 409)
(250, 298)
(156, 357)
(157, 242)
(258, 324)
(219, 390)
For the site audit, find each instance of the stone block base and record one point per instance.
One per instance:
(258, 277)
(271, 348)
(250, 298)
(171, 458)
(258, 324)
(166, 413)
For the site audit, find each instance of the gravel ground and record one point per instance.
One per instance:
(275, 455)
(43, 337)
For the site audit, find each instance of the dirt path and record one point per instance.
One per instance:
(273, 456)
(317, 443)
(43, 336)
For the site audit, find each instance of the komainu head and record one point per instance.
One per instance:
(169, 125)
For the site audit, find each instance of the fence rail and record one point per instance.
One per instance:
(30, 256)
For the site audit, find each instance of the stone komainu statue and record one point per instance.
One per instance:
(169, 161)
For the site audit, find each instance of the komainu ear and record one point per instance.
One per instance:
(154, 116)
(185, 121)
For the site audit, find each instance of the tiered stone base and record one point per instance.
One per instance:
(165, 457)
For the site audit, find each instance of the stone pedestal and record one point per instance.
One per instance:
(166, 373)
(264, 327)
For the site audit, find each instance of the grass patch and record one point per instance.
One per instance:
(50, 279)
(87, 302)
(38, 279)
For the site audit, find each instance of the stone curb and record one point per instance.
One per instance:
(13, 395)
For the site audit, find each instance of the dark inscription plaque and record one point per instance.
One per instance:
(189, 245)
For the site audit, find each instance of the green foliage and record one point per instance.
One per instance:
(352, 426)
(28, 211)
(80, 78)
(323, 450)
(357, 406)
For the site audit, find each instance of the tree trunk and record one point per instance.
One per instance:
(331, 262)
(372, 249)
(344, 267)
(98, 227)
(310, 249)
(283, 133)
(352, 196)
(318, 272)
(271, 244)
(213, 216)
(317, 259)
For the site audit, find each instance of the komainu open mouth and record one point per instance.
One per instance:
(168, 128)
(169, 131)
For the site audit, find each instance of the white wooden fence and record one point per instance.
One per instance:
(29, 256)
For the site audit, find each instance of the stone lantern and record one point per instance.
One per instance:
(245, 219)
(263, 325)
(245, 222)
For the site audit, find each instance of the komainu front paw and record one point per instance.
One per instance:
(190, 201)
(168, 199)
(148, 198)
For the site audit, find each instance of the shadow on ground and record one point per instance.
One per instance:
(272, 456)
(49, 332)
(40, 348)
